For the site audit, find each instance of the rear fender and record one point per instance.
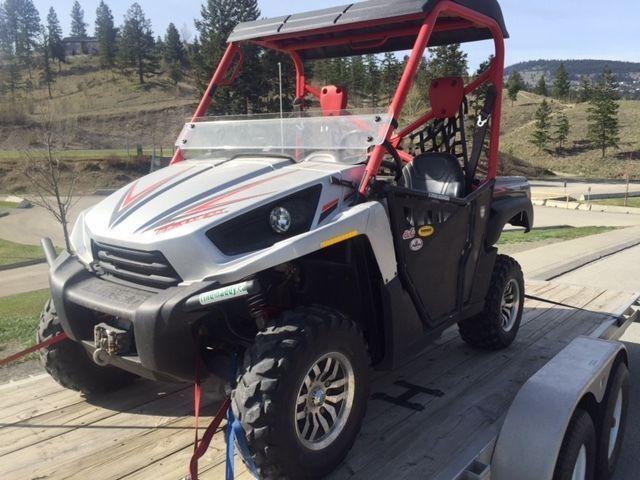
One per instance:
(517, 211)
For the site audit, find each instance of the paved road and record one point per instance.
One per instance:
(618, 272)
(29, 225)
(26, 279)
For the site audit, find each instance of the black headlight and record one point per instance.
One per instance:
(260, 228)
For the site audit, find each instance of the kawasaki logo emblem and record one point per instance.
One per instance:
(225, 293)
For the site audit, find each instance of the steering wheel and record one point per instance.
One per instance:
(342, 142)
(397, 165)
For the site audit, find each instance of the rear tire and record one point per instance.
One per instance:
(69, 363)
(497, 325)
(614, 417)
(577, 457)
(280, 390)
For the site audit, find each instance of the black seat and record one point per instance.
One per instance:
(438, 173)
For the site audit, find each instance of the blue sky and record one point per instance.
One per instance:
(555, 29)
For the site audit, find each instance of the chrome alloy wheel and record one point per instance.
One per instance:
(510, 306)
(615, 428)
(324, 401)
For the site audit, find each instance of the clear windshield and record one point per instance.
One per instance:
(342, 136)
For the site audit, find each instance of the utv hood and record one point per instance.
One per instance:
(182, 198)
(172, 209)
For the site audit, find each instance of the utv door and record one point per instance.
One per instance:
(439, 243)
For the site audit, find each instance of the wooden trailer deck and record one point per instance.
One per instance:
(427, 419)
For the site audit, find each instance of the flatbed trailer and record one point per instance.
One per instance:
(439, 416)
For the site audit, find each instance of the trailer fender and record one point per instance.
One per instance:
(530, 438)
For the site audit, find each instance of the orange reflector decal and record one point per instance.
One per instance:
(339, 238)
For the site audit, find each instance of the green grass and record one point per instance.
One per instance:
(619, 202)
(19, 316)
(11, 252)
(545, 234)
(5, 205)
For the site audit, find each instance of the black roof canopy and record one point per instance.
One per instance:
(330, 23)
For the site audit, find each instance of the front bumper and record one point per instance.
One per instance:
(161, 326)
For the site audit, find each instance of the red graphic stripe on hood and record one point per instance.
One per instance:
(214, 202)
(131, 198)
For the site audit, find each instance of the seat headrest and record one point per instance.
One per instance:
(446, 96)
(333, 99)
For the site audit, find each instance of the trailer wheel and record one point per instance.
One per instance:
(69, 363)
(614, 414)
(303, 392)
(497, 325)
(577, 457)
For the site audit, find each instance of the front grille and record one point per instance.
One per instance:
(150, 269)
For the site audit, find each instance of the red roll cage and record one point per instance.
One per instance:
(446, 16)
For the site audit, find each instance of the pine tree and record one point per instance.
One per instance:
(448, 61)
(106, 34)
(562, 129)
(54, 38)
(199, 68)
(604, 127)
(584, 93)
(561, 84)
(5, 41)
(46, 74)
(271, 81)
(540, 137)
(218, 19)
(389, 76)
(357, 76)
(22, 23)
(136, 48)
(477, 100)
(372, 82)
(78, 26)
(515, 84)
(541, 87)
(174, 54)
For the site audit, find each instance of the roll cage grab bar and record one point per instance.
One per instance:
(465, 17)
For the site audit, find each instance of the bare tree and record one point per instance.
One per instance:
(44, 170)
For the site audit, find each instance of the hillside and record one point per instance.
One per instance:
(626, 73)
(578, 158)
(109, 112)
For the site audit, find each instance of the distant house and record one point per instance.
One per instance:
(80, 46)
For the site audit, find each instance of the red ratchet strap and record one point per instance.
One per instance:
(47, 343)
(200, 446)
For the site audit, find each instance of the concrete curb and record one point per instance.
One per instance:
(558, 271)
(588, 207)
(19, 202)
(26, 263)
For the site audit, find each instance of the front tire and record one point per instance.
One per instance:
(69, 363)
(497, 325)
(302, 395)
